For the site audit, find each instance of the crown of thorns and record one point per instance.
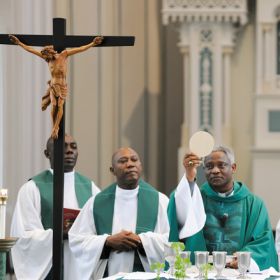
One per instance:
(48, 49)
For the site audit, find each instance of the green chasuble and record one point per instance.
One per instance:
(238, 222)
(44, 182)
(147, 212)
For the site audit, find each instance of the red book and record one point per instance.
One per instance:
(69, 216)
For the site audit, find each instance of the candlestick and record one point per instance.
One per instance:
(3, 202)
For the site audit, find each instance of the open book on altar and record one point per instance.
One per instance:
(69, 216)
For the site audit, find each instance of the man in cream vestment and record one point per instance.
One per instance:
(32, 219)
(124, 228)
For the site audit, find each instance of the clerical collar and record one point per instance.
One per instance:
(66, 173)
(128, 189)
(226, 194)
(125, 194)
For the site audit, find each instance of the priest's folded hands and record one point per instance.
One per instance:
(233, 263)
(123, 241)
(125, 227)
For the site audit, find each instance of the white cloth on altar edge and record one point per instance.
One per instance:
(32, 254)
(87, 245)
(228, 273)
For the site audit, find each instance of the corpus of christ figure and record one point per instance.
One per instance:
(57, 86)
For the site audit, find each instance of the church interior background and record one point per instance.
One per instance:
(196, 65)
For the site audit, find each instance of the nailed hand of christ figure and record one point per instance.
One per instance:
(57, 86)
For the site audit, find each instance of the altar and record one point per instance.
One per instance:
(192, 273)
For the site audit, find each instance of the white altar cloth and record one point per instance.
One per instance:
(192, 272)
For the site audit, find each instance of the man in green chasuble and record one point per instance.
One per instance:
(32, 219)
(124, 228)
(277, 241)
(236, 220)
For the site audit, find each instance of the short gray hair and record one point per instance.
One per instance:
(226, 150)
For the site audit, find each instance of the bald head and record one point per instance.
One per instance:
(127, 168)
(121, 151)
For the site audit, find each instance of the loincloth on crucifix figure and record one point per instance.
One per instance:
(57, 91)
(56, 95)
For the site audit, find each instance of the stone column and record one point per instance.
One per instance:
(267, 57)
(184, 128)
(227, 52)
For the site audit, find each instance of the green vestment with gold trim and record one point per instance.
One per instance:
(239, 222)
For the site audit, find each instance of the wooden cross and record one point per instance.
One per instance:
(60, 41)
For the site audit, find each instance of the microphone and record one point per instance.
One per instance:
(223, 218)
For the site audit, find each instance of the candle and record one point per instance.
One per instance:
(3, 202)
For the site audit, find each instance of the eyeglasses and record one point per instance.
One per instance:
(219, 165)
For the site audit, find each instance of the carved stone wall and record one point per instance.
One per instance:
(207, 36)
(266, 151)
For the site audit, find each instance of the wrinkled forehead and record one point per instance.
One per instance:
(123, 152)
(216, 156)
(69, 139)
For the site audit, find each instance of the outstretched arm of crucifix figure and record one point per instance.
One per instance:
(16, 41)
(96, 41)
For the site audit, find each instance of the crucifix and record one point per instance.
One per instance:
(60, 42)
